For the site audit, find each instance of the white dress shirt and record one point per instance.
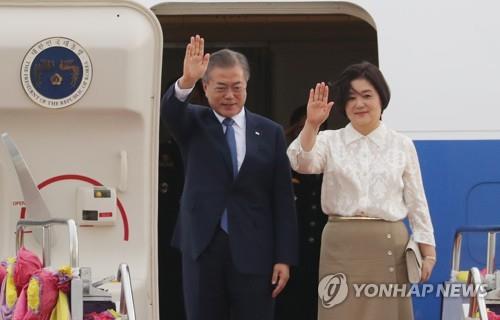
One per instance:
(239, 124)
(377, 175)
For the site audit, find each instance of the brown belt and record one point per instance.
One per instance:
(332, 218)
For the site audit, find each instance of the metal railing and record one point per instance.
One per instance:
(477, 301)
(490, 254)
(127, 307)
(46, 225)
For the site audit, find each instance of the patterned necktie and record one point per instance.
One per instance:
(231, 142)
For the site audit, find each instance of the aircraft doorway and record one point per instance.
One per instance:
(290, 47)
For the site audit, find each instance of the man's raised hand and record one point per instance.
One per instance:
(195, 62)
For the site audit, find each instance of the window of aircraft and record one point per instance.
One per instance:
(288, 54)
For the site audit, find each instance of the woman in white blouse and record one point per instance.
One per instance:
(371, 182)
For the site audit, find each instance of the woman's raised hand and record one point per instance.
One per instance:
(318, 107)
(195, 62)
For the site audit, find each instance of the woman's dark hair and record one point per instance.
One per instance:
(363, 70)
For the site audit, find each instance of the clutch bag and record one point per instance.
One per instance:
(413, 261)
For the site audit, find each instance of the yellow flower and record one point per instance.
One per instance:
(115, 314)
(66, 270)
(33, 295)
(10, 289)
(61, 310)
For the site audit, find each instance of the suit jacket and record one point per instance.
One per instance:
(260, 204)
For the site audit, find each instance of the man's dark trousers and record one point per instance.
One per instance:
(244, 296)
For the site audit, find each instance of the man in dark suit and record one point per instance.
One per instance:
(237, 227)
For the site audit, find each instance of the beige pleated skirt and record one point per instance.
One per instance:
(364, 254)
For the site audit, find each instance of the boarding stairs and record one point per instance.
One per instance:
(485, 298)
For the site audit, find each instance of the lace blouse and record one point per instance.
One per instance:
(377, 175)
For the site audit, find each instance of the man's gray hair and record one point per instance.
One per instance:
(226, 58)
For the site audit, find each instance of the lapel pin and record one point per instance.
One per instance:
(257, 133)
